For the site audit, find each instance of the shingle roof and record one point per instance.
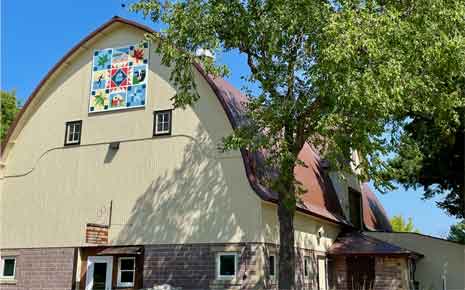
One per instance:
(358, 244)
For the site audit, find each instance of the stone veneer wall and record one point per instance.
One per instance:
(193, 266)
(42, 269)
(391, 273)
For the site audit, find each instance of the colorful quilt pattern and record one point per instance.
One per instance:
(119, 78)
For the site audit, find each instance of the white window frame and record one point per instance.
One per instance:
(126, 284)
(2, 267)
(307, 263)
(218, 261)
(275, 266)
(168, 113)
(71, 130)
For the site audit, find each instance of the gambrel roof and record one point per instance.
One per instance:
(320, 200)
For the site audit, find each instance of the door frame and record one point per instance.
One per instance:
(318, 258)
(91, 260)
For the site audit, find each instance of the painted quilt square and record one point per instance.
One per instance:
(139, 73)
(139, 54)
(120, 57)
(119, 77)
(136, 96)
(102, 59)
(99, 101)
(118, 99)
(100, 80)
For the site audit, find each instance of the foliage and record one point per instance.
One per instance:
(457, 233)
(341, 75)
(434, 160)
(10, 107)
(399, 225)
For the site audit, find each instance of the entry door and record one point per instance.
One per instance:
(322, 273)
(99, 270)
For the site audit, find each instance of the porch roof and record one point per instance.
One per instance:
(358, 244)
(134, 250)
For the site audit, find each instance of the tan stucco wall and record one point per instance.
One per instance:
(306, 229)
(173, 189)
(442, 259)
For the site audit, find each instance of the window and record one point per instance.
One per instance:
(8, 267)
(226, 265)
(272, 265)
(355, 206)
(126, 271)
(307, 264)
(162, 123)
(73, 133)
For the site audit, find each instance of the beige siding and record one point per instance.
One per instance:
(442, 259)
(306, 229)
(171, 189)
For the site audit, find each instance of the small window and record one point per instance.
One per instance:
(307, 267)
(126, 271)
(8, 267)
(272, 265)
(162, 123)
(355, 208)
(226, 265)
(73, 133)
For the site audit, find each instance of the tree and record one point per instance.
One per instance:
(341, 75)
(399, 225)
(434, 161)
(9, 110)
(457, 233)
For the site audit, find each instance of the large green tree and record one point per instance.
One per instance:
(342, 75)
(457, 233)
(399, 224)
(433, 159)
(9, 110)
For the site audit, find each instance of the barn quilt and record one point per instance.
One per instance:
(119, 78)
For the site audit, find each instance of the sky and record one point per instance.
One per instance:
(35, 36)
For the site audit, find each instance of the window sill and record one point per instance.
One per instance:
(6, 281)
(226, 281)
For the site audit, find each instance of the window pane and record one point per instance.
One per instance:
(77, 127)
(160, 118)
(76, 137)
(306, 266)
(272, 265)
(166, 126)
(9, 267)
(127, 264)
(227, 265)
(159, 127)
(70, 137)
(127, 276)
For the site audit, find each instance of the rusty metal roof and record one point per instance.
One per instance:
(358, 244)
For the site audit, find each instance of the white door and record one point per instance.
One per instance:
(322, 273)
(99, 270)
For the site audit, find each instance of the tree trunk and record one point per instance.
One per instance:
(286, 247)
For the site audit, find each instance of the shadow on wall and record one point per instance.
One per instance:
(191, 203)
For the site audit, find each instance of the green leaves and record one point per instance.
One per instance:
(10, 107)
(342, 75)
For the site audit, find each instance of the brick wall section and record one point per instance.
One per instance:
(337, 270)
(96, 234)
(194, 266)
(42, 269)
(390, 273)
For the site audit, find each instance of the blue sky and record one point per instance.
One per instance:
(35, 36)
